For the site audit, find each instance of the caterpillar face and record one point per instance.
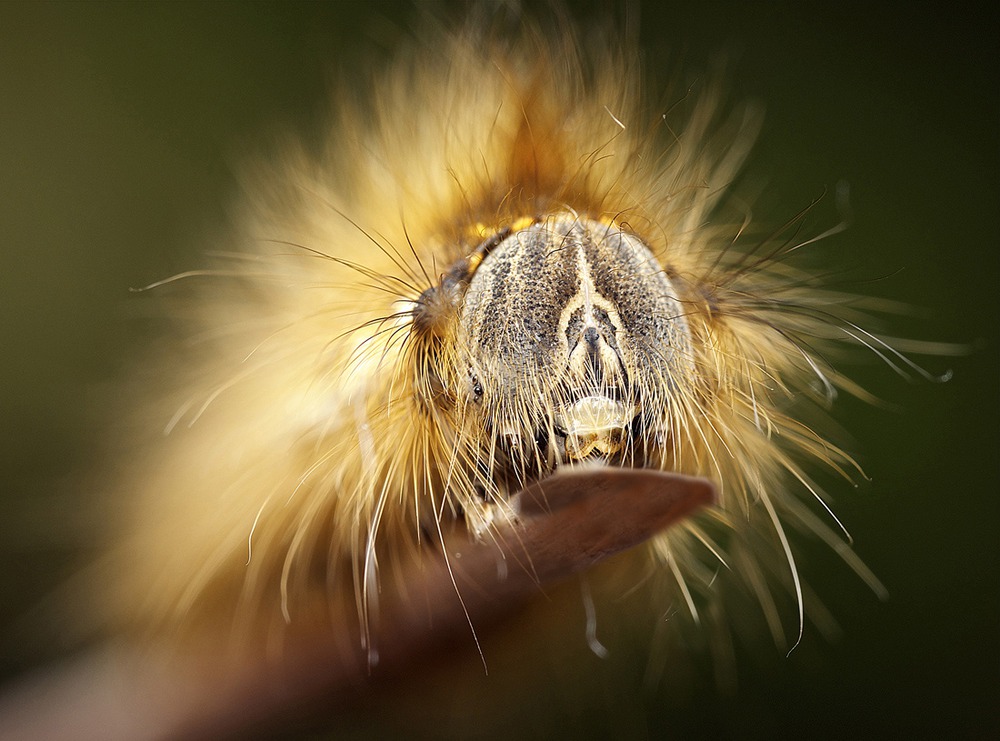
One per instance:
(573, 337)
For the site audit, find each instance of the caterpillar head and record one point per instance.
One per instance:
(566, 342)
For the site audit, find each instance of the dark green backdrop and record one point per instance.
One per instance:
(121, 126)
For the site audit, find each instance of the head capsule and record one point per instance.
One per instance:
(574, 342)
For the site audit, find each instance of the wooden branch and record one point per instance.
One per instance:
(568, 522)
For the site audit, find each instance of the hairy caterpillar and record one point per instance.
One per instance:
(530, 144)
(502, 265)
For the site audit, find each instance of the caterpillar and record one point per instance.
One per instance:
(508, 261)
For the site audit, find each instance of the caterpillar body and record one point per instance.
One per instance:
(507, 262)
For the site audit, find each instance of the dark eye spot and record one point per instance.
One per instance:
(477, 387)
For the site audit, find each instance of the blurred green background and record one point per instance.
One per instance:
(122, 127)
